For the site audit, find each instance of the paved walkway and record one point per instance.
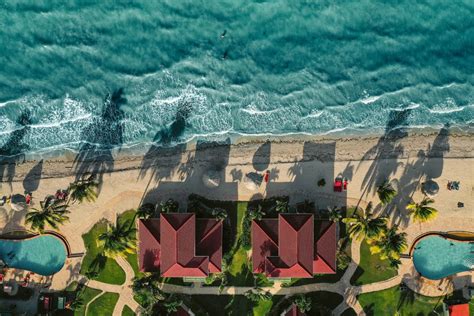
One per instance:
(125, 290)
(343, 287)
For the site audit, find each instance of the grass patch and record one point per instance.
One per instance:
(371, 269)
(322, 303)
(86, 294)
(222, 305)
(262, 308)
(111, 272)
(132, 258)
(389, 301)
(127, 311)
(103, 305)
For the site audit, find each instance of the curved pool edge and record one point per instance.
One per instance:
(33, 234)
(462, 236)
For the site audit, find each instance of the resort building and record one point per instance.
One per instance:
(293, 246)
(180, 245)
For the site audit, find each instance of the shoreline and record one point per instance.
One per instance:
(455, 144)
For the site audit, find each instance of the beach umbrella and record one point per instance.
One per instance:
(430, 188)
(18, 202)
(211, 179)
(252, 181)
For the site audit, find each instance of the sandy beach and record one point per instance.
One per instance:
(295, 164)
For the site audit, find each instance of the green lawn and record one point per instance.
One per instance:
(127, 311)
(103, 305)
(263, 308)
(240, 273)
(388, 302)
(371, 269)
(241, 210)
(133, 257)
(111, 273)
(322, 303)
(221, 305)
(87, 294)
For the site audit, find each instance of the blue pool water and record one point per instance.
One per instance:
(44, 255)
(436, 257)
(228, 67)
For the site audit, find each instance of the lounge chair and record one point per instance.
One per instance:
(340, 184)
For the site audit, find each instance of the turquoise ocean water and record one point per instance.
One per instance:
(119, 73)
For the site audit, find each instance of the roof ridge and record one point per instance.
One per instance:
(266, 234)
(187, 220)
(325, 230)
(213, 228)
(326, 262)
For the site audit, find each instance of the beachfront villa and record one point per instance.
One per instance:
(179, 245)
(293, 246)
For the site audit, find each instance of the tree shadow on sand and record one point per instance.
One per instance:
(100, 137)
(163, 156)
(427, 165)
(12, 151)
(386, 151)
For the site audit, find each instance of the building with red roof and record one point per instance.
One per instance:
(293, 246)
(180, 245)
(293, 310)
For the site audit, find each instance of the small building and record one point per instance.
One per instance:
(294, 246)
(180, 245)
(293, 310)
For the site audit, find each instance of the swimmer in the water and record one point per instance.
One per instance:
(223, 34)
(225, 54)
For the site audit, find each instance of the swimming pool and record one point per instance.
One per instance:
(44, 254)
(436, 257)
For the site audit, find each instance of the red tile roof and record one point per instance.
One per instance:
(294, 311)
(325, 247)
(293, 246)
(149, 245)
(190, 247)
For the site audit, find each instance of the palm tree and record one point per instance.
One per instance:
(52, 212)
(422, 212)
(335, 214)
(76, 304)
(257, 295)
(172, 304)
(363, 224)
(303, 303)
(256, 213)
(170, 206)
(219, 213)
(390, 245)
(282, 206)
(84, 189)
(118, 240)
(386, 192)
(144, 211)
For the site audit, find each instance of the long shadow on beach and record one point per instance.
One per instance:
(12, 151)
(100, 137)
(428, 165)
(208, 158)
(386, 152)
(165, 154)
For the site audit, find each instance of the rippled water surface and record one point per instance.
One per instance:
(121, 74)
